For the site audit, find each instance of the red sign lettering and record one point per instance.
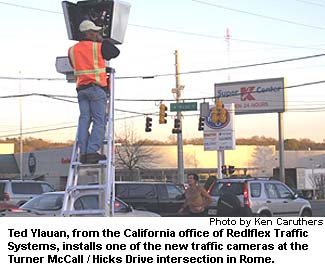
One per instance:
(246, 93)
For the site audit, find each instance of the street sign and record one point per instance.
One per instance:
(219, 141)
(183, 106)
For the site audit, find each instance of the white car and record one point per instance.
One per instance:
(50, 204)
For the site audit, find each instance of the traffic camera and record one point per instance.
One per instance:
(148, 124)
(111, 15)
(162, 114)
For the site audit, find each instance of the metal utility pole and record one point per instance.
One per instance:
(179, 117)
(20, 129)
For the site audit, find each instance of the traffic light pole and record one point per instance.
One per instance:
(179, 134)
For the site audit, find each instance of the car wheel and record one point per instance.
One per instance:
(228, 205)
(306, 213)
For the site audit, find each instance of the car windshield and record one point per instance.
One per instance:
(54, 201)
(44, 202)
(219, 188)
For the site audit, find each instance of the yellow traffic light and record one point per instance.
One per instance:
(223, 115)
(219, 104)
(162, 114)
(215, 116)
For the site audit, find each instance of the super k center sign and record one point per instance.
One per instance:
(255, 96)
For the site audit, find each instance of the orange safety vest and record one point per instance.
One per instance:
(88, 63)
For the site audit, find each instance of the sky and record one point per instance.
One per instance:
(34, 34)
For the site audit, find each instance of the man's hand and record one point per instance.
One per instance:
(99, 38)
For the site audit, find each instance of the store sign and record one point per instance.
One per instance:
(256, 96)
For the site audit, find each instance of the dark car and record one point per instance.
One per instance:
(159, 197)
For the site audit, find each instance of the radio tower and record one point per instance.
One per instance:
(227, 38)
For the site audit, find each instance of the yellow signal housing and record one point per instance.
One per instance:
(162, 114)
(215, 116)
(219, 104)
(223, 115)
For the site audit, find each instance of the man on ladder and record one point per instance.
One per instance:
(87, 58)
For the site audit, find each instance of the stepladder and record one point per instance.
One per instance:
(90, 188)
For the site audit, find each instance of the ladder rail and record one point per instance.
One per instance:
(109, 194)
(71, 175)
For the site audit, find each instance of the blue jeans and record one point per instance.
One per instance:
(92, 105)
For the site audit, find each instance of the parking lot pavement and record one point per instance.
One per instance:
(318, 207)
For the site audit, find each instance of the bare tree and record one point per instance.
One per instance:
(318, 183)
(132, 153)
(263, 159)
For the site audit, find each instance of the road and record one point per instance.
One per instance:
(318, 208)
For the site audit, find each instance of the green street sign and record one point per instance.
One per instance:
(183, 106)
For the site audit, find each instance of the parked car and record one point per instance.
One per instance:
(255, 197)
(50, 204)
(159, 197)
(20, 191)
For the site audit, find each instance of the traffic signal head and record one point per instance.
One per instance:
(223, 115)
(224, 169)
(177, 126)
(201, 123)
(219, 104)
(215, 116)
(231, 169)
(148, 124)
(162, 114)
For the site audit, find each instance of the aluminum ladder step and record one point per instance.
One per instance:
(100, 164)
(86, 187)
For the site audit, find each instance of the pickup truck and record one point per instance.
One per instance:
(159, 197)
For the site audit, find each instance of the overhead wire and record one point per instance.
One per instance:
(177, 31)
(61, 97)
(188, 72)
(311, 3)
(259, 15)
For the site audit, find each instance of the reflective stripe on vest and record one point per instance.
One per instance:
(88, 63)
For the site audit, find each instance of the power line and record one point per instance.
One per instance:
(30, 8)
(260, 16)
(178, 31)
(296, 110)
(60, 97)
(188, 72)
(311, 3)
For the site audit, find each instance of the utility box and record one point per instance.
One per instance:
(63, 66)
(111, 15)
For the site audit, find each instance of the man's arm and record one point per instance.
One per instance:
(109, 50)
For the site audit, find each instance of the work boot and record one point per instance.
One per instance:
(83, 158)
(93, 158)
